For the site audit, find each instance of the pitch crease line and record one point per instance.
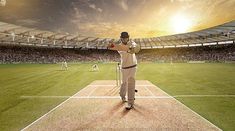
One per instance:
(176, 96)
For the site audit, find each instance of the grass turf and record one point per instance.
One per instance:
(177, 79)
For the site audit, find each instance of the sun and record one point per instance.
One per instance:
(180, 23)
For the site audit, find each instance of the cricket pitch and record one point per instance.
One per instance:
(99, 107)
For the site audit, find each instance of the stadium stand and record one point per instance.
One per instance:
(25, 45)
(12, 34)
(214, 53)
(32, 54)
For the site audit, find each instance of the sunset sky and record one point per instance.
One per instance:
(107, 18)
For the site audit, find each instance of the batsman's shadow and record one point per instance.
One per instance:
(140, 110)
(116, 107)
(124, 112)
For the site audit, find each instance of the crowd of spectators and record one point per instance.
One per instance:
(212, 53)
(33, 54)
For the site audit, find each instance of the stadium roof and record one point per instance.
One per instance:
(13, 34)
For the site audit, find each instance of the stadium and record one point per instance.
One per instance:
(52, 80)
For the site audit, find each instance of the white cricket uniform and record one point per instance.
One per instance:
(66, 65)
(95, 67)
(128, 75)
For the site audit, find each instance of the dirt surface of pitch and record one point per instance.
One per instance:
(98, 107)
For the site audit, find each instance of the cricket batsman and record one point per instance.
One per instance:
(127, 50)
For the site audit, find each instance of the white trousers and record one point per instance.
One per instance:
(128, 83)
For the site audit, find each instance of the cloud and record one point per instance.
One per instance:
(123, 4)
(210, 13)
(99, 9)
(149, 20)
(77, 15)
(3, 2)
(113, 29)
(180, 0)
(93, 6)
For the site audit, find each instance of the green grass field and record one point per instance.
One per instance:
(177, 79)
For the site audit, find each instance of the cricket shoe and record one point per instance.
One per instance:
(123, 99)
(129, 106)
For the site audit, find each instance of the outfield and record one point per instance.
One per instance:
(212, 87)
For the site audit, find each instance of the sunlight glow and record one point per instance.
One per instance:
(180, 23)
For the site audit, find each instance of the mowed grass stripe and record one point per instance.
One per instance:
(192, 78)
(22, 71)
(27, 87)
(24, 74)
